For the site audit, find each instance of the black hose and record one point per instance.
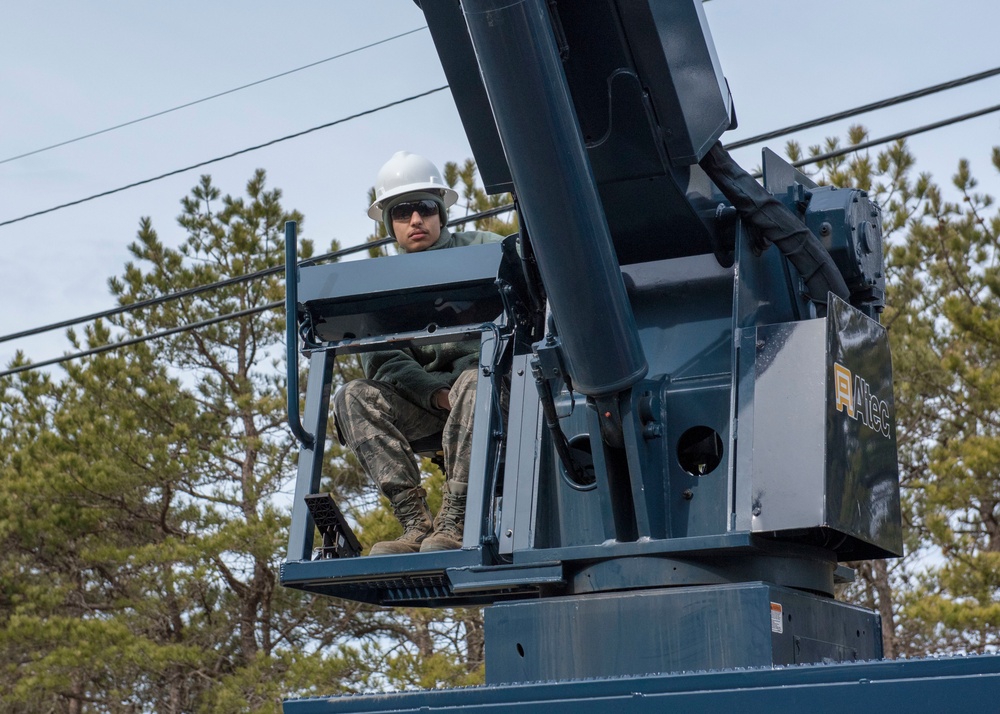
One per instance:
(573, 469)
(772, 222)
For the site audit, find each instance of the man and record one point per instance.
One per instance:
(419, 391)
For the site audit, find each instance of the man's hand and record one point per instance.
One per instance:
(441, 401)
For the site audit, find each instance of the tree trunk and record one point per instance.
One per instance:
(883, 590)
(475, 640)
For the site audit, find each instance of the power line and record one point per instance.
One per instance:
(150, 302)
(892, 137)
(734, 145)
(213, 96)
(900, 135)
(465, 219)
(138, 305)
(143, 338)
(223, 158)
(848, 113)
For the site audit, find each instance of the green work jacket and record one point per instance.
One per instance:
(419, 371)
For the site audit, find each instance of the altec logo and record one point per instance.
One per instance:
(853, 395)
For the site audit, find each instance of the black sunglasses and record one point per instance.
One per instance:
(403, 211)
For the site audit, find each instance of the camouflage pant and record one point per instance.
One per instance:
(378, 423)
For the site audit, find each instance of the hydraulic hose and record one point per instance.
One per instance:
(772, 222)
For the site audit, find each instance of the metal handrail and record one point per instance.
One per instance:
(291, 339)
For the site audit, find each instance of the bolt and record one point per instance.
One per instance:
(825, 229)
(509, 533)
(520, 373)
(486, 371)
(688, 494)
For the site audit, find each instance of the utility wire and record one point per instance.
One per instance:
(140, 304)
(892, 137)
(226, 156)
(899, 135)
(150, 302)
(734, 145)
(143, 338)
(499, 209)
(213, 96)
(465, 219)
(847, 113)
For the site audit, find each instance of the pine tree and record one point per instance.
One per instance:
(952, 258)
(942, 318)
(142, 496)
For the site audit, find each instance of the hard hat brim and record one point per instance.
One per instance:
(448, 195)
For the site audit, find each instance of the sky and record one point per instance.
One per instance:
(69, 68)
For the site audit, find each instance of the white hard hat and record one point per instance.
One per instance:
(407, 173)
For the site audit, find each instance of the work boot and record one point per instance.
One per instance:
(450, 521)
(410, 507)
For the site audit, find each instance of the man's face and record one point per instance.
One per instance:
(417, 224)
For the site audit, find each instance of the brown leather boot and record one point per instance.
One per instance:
(410, 507)
(450, 521)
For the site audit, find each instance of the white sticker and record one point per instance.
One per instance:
(776, 621)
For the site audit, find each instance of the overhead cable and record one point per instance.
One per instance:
(892, 137)
(731, 146)
(499, 209)
(213, 96)
(226, 156)
(848, 113)
(140, 304)
(143, 338)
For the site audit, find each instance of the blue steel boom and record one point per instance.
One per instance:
(700, 427)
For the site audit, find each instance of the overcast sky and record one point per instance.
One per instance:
(68, 68)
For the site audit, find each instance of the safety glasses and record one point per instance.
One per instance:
(403, 211)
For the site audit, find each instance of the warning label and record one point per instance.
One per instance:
(776, 620)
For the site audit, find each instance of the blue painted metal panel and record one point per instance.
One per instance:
(672, 630)
(927, 686)
(423, 292)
